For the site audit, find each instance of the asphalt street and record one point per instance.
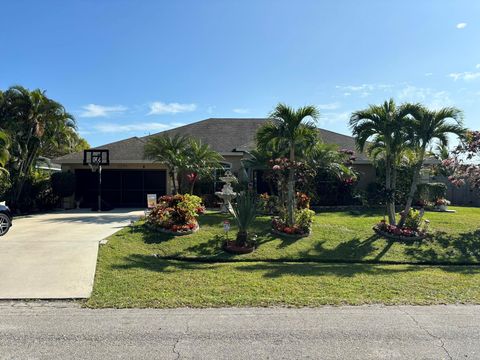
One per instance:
(56, 330)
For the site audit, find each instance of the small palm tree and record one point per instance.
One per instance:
(170, 151)
(427, 126)
(244, 212)
(202, 160)
(383, 129)
(290, 130)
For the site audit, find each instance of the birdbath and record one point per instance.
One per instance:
(227, 194)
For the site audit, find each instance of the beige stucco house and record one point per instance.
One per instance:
(129, 177)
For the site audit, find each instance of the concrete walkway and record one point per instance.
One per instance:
(58, 331)
(53, 256)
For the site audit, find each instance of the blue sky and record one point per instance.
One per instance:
(130, 68)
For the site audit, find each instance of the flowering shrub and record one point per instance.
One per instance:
(177, 213)
(268, 204)
(303, 201)
(442, 202)
(415, 225)
(303, 223)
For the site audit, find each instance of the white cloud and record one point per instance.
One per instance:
(241, 111)
(467, 75)
(363, 90)
(329, 106)
(430, 97)
(428, 74)
(158, 107)
(461, 25)
(335, 117)
(211, 109)
(94, 110)
(477, 66)
(144, 127)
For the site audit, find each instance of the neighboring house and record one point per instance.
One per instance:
(129, 177)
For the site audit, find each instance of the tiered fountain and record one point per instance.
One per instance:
(227, 194)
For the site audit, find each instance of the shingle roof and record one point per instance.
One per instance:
(222, 134)
(130, 149)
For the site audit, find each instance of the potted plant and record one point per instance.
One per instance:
(244, 213)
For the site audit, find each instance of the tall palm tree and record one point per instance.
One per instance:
(383, 129)
(202, 160)
(426, 127)
(171, 151)
(34, 121)
(290, 129)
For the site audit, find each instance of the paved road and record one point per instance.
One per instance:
(53, 256)
(60, 331)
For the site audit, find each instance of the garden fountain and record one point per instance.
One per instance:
(227, 194)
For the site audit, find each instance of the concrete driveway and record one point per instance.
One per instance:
(53, 256)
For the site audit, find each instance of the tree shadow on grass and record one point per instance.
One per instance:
(152, 263)
(275, 270)
(461, 248)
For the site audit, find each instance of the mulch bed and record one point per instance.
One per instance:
(291, 236)
(398, 237)
(232, 248)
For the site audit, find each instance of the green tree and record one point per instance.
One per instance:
(34, 123)
(170, 151)
(383, 129)
(202, 160)
(290, 130)
(426, 127)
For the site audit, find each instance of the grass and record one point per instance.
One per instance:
(292, 272)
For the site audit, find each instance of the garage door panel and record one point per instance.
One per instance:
(120, 188)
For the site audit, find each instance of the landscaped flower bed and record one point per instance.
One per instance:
(176, 214)
(394, 232)
(301, 228)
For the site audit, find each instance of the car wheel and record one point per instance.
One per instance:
(4, 224)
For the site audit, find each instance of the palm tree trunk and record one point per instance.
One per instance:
(192, 186)
(291, 189)
(413, 188)
(390, 200)
(174, 183)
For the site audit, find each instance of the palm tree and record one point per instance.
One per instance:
(289, 130)
(383, 129)
(34, 121)
(171, 151)
(202, 160)
(427, 126)
(4, 153)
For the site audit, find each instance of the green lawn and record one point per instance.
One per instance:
(128, 275)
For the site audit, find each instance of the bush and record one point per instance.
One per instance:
(268, 204)
(303, 223)
(304, 219)
(177, 213)
(429, 192)
(63, 183)
(414, 219)
(375, 193)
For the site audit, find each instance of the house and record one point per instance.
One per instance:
(129, 177)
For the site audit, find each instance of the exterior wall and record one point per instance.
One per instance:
(366, 174)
